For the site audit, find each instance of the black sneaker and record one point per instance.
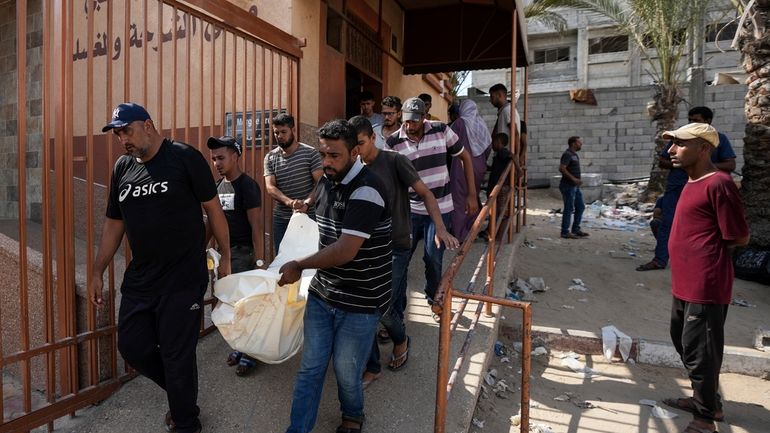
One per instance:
(580, 234)
(570, 236)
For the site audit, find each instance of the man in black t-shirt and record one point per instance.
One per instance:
(569, 186)
(240, 198)
(156, 193)
(353, 283)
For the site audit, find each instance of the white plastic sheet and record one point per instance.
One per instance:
(255, 315)
(610, 338)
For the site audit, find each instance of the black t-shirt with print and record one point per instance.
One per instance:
(236, 198)
(160, 204)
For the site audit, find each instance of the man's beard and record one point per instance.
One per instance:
(288, 143)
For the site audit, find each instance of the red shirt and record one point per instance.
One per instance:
(709, 212)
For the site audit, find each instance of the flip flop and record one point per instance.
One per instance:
(692, 428)
(652, 265)
(245, 365)
(234, 358)
(689, 407)
(404, 356)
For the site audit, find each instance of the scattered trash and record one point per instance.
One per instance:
(563, 397)
(583, 300)
(517, 346)
(584, 404)
(515, 420)
(478, 423)
(568, 307)
(540, 350)
(632, 254)
(639, 284)
(572, 355)
(529, 244)
(505, 360)
(578, 285)
(540, 428)
(501, 386)
(610, 338)
(490, 377)
(761, 337)
(513, 296)
(544, 238)
(742, 303)
(499, 348)
(537, 284)
(657, 411)
(579, 367)
(522, 286)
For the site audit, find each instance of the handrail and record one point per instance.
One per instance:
(516, 209)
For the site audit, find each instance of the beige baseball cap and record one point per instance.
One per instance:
(695, 130)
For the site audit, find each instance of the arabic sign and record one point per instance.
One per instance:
(253, 128)
(183, 25)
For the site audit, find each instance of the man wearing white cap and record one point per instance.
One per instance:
(709, 222)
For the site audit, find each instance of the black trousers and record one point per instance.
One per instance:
(158, 337)
(697, 331)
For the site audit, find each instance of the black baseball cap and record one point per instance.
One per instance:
(224, 141)
(126, 113)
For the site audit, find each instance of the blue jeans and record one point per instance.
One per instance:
(393, 319)
(344, 337)
(668, 207)
(424, 229)
(279, 229)
(573, 202)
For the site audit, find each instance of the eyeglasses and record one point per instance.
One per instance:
(389, 113)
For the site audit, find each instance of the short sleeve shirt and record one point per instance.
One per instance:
(503, 123)
(236, 198)
(356, 206)
(429, 157)
(159, 202)
(398, 175)
(293, 174)
(572, 161)
(709, 213)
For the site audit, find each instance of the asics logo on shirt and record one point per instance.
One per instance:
(142, 190)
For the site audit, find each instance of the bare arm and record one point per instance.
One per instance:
(472, 205)
(276, 194)
(218, 224)
(112, 234)
(340, 252)
(727, 165)
(563, 170)
(442, 235)
(740, 242)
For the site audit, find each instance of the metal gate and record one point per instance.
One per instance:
(200, 68)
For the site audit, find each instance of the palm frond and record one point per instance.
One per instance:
(549, 19)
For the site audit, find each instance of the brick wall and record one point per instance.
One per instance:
(9, 109)
(617, 134)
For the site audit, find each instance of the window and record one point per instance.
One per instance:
(333, 29)
(721, 31)
(552, 55)
(610, 44)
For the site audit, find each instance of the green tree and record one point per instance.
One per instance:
(656, 29)
(753, 41)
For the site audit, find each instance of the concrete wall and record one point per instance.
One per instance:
(617, 134)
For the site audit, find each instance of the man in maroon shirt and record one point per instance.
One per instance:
(708, 223)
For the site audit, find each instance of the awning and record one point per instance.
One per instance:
(456, 35)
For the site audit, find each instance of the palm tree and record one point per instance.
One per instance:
(754, 44)
(658, 31)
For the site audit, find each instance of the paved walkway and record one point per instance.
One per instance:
(402, 401)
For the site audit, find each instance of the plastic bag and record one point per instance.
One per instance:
(255, 315)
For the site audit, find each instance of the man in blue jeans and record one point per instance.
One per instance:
(723, 158)
(569, 167)
(398, 175)
(352, 286)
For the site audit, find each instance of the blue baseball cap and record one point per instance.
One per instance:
(126, 113)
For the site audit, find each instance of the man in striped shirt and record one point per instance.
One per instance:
(291, 172)
(426, 143)
(352, 286)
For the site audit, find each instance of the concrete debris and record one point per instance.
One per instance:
(478, 423)
(762, 339)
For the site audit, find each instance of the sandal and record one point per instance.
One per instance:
(246, 364)
(652, 265)
(401, 359)
(234, 358)
(342, 429)
(687, 405)
(693, 428)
